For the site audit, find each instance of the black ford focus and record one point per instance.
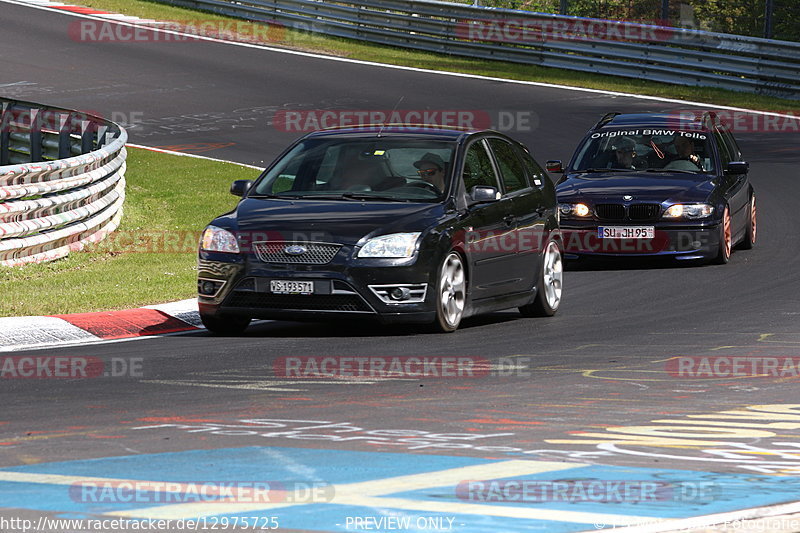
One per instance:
(669, 184)
(394, 223)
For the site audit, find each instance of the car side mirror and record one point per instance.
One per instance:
(240, 187)
(554, 166)
(483, 193)
(737, 167)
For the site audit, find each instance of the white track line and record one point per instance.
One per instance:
(37, 5)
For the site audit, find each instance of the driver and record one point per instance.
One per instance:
(684, 146)
(430, 167)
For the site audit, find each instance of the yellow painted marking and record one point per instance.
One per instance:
(453, 476)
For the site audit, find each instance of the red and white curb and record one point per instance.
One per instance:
(80, 10)
(32, 332)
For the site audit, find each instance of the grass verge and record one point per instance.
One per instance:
(150, 259)
(398, 56)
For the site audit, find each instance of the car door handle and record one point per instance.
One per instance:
(509, 219)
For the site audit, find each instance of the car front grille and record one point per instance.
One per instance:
(316, 253)
(610, 211)
(644, 211)
(295, 302)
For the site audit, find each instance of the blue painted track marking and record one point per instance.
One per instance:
(411, 488)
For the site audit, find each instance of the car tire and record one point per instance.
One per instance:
(225, 325)
(451, 293)
(549, 287)
(751, 233)
(725, 238)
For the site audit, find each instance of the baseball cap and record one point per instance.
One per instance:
(433, 159)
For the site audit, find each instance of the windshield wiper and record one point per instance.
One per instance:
(310, 196)
(682, 171)
(596, 170)
(367, 196)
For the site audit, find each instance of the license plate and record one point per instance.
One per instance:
(280, 286)
(626, 232)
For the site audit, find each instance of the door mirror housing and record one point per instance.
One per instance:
(737, 167)
(554, 165)
(240, 187)
(482, 194)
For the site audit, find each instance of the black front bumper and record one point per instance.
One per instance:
(341, 290)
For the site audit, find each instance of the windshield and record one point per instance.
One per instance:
(393, 169)
(646, 149)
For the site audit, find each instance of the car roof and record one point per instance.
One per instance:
(693, 120)
(431, 131)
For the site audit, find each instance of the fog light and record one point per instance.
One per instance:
(399, 294)
(208, 287)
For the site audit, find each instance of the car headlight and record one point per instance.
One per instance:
(689, 211)
(219, 240)
(394, 245)
(575, 210)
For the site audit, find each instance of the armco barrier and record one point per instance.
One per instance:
(62, 181)
(633, 50)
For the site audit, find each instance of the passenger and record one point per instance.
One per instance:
(624, 153)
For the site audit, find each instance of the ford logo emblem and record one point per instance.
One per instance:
(627, 197)
(295, 249)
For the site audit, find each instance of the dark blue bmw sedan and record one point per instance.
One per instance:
(666, 184)
(394, 223)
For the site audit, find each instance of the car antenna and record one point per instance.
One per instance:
(390, 114)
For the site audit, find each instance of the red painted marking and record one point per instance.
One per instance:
(503, 421)
(82, 10)
(7, 443)
(175, 419)
(127, 323)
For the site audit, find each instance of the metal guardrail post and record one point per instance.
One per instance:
(35, 135)
(64, 139)
(87, 137)
(5, 134)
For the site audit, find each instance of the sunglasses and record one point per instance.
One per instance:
(428, 171)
